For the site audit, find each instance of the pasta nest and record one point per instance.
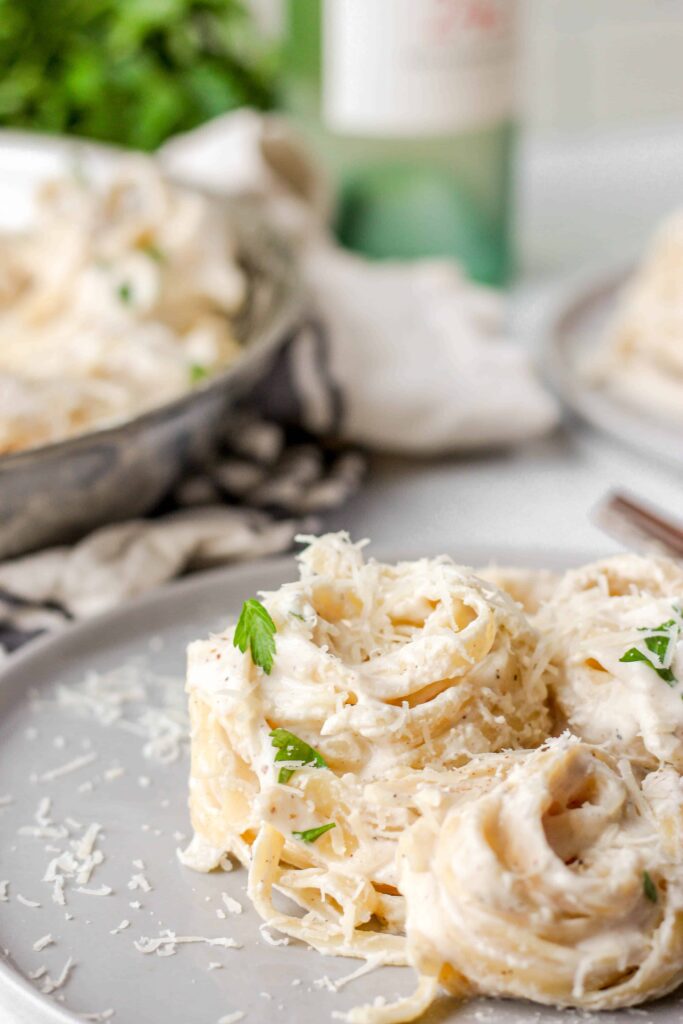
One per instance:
(394, 675)
(560, 884)
(618, 676)
(377, 667)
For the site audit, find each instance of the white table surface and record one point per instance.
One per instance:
(582, 201)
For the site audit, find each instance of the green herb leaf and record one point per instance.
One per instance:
(649, 888)
(664, 673)
(291, 748)
(198, 373)
(311, 834)
(256, 630)
(295, 615)
(125, 293)
(658, 644)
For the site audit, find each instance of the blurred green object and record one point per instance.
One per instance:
(414, 179)
(131, 72)
(408, 211)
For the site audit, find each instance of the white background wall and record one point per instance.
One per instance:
(601, 63)
(589, 63)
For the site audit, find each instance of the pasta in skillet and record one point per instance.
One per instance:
(378, 749)
(135, 309)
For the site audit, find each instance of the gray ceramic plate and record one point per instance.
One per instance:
(572, 329)
(141, 806)
(54, 494)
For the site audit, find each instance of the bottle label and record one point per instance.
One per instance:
(417, 67)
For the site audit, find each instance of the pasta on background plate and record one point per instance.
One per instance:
(386, 745)
(640, 358)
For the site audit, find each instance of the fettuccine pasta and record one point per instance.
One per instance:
(535, 889)
(610, 687)
(387, 746)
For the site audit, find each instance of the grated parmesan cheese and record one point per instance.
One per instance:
(52, 985)
(102, 890)
(133, 698)
(67, 769)
(139, 881)
(167, 941)
(58, 896)
(33, 904)
(231, 905)
(270, 938)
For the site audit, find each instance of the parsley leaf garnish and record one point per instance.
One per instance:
(311, 834)
(649, 888)
(125, 293)
(291, 748)
(198, 373)
(664, 673)
(256, 630)
(658, 645)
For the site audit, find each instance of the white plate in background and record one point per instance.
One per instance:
(573, 328)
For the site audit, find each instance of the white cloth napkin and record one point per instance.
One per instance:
(121, 561)
(419, 353)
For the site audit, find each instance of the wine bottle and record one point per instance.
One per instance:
(411, 104)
